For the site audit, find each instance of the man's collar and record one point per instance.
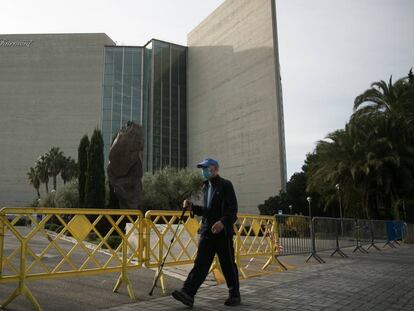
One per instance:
(213, 180)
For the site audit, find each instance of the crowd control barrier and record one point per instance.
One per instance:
(255, 236)
(48, 243)
(294, 234)
(297, 237)
(85, 241)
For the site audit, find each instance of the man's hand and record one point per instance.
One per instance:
(217, 227)
(188, 205)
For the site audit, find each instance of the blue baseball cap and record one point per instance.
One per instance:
(208, 162)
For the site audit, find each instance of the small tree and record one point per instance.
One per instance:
(42, 167)
(82, 167)
(48, 200)
(55, 159)
(34, 180)
(67, 196)
(167, 188)
(69, 169)
(95, 174)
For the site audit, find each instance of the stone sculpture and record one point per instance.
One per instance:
(125, 165)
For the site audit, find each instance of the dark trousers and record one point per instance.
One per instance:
(207, 247)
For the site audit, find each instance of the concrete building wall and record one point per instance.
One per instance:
(50, 95)
(234, 98)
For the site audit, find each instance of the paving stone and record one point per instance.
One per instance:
(375, 281)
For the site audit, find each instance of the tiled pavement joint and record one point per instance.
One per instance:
(375, 281)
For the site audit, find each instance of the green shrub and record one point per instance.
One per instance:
(113, 241)
(34, 203)
(51, 227)
(59, 228)
(92, 237)
(23, 222)
(48, 200)
(167, 188)
(54, 227)
(68, 195)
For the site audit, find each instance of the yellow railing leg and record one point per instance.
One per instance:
(162, 282)
(10, 298)
(123, 278)
(273, 244)
(216, 270)
(31, 298)
(160, 276)
(268, 263)
(22, 288)
(238, 255)
(2, 232)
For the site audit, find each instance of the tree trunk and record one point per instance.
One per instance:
(38, 193)
(377, 207)
(47, 187)
(395, 205)
(54, 182)
(366, 199)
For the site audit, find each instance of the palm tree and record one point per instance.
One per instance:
(33, 177)
(373, 157)
(56, 158)
(69, 169)
(371, 160)
(42, 167)
(386, 162)
(337, 160)
(393, 100)
(390, 106)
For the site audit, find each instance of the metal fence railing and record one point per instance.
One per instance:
(299, 235)
(294, 234)
(46, 243)
(347, 235)
(334, 234)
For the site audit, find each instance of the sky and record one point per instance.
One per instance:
(330, 50)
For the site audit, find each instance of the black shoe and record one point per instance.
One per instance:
(232, 301)
(182, 296)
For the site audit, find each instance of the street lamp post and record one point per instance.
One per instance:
(312, 234)
(338, 189)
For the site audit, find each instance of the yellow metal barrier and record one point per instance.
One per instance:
(160, 227)
(86, 241)
(159, 231)
(72, 242)
(255, 236)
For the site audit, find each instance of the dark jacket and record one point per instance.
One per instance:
(223, 206)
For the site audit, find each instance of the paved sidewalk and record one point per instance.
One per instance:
(375, 281)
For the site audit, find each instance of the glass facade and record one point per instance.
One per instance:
(148, 85)
(122, 90)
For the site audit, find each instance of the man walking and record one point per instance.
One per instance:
(219, 212)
